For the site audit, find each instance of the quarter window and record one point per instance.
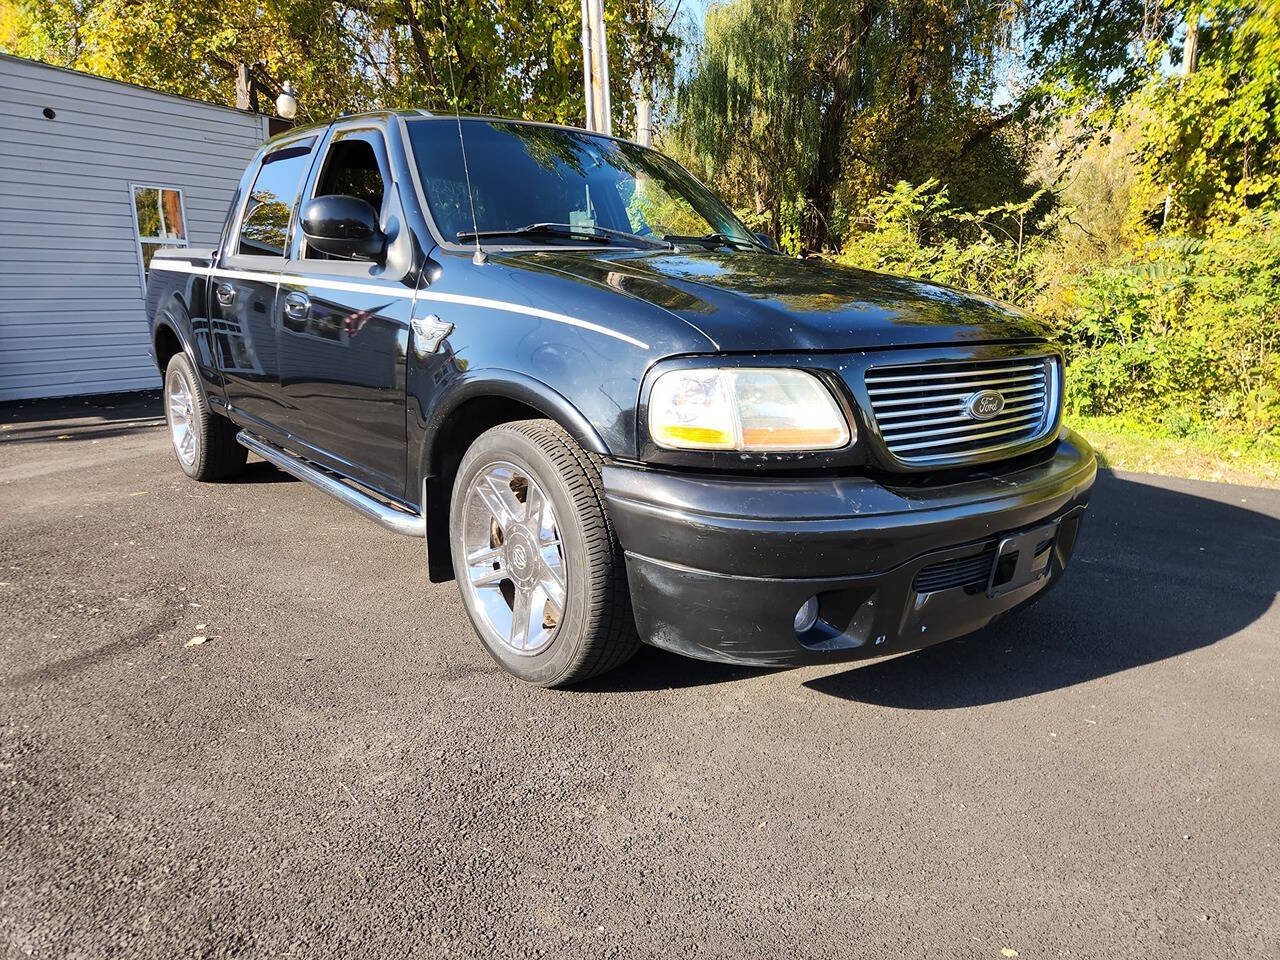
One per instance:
(158, 221)
(265, 226)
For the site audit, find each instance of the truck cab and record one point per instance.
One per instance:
(613, 413)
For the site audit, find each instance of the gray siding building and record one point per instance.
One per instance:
(95, 176)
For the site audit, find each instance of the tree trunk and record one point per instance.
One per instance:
(819, 191)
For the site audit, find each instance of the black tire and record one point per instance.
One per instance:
(596, 630)
(215, 454)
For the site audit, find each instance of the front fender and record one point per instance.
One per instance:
(459, 410)
(497, 383)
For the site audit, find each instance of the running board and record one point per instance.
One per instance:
(397, 521)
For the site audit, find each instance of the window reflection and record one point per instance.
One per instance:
(274, 194)
(159, 221)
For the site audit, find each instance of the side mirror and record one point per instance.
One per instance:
(767, 240)
(343, 227)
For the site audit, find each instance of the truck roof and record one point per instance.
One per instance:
(427, 114)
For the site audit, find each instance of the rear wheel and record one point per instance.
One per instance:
(540, 570)
(204, 442)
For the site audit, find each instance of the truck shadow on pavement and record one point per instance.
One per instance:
(1157, 573)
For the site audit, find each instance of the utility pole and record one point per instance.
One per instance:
(595, 68)
(1190, 48)
(644, 124)
(246, 96)
(588, 98)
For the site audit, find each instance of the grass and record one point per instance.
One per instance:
(1225, 457)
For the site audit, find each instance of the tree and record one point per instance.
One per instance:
(512, 57)
(1209, 140)
(830, 101)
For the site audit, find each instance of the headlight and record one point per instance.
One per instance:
(744, 409)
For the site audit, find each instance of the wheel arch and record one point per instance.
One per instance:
(169, 335)
(473, 406)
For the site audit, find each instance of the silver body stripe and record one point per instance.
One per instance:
(379, 290)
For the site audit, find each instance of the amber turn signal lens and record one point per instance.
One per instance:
(697, 436)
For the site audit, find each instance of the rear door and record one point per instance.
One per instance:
(243, 296)
(345, 328)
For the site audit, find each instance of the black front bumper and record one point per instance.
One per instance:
(718, 566)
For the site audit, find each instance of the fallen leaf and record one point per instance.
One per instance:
(197, 640)
(1008, 952)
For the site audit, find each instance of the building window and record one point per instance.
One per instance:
(158, 221)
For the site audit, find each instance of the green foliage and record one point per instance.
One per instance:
(826, 104)
(814, 105)
(918, 232)
(1186, 333)
(1171, 324)
(1210, 140)
(1046, 153)
(508, 57)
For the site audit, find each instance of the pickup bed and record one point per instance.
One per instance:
(613, 413)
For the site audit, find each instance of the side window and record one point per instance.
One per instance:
(351, 169)
(265, 226)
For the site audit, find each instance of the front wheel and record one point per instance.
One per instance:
(541, 572)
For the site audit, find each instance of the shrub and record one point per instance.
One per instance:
(1185, 328)
(1184, 333)
(915, 231)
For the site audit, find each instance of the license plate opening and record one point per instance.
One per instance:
(1022, 559)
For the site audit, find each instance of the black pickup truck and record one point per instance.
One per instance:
(615, 414)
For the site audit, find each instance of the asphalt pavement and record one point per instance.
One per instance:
(339, 770)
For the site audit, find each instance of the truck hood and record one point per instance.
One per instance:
(761, 302)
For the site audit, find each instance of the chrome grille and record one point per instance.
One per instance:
(922, 409)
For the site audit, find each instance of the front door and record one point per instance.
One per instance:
(243, 295)
(344, 331)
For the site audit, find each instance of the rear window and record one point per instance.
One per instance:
(272, 199)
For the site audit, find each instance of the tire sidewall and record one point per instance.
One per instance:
(199, 421)
(549, 665)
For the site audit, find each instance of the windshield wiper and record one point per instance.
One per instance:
(710, 240)
(570, 231)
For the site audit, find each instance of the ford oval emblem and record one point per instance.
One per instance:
(984, 405)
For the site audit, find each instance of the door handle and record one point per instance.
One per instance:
(297, 306)
(225, 293)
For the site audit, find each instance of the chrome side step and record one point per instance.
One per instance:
(397, 521)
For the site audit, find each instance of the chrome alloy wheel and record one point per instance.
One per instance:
(516, 572)
(180, 406)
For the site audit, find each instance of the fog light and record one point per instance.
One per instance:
(807, 615)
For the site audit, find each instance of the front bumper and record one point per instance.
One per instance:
(719, 566)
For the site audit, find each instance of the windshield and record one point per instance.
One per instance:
(529, 176)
